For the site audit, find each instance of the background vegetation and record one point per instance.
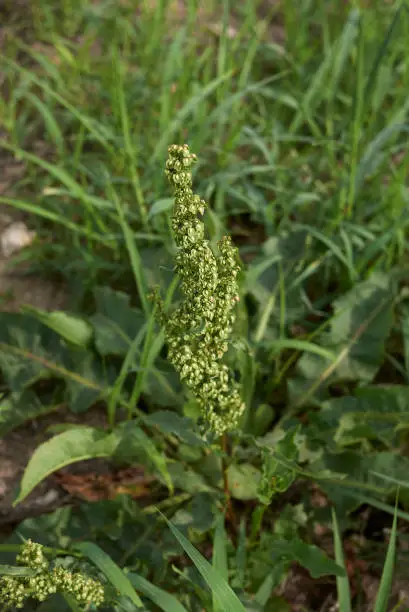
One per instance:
(298, 114)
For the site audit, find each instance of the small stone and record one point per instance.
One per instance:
(15, 237)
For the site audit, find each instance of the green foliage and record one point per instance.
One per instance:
(299, 116)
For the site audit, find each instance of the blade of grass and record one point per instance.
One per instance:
(61, 220)
(381, 603)
(163, 600)
(343, 590)
(129, 148)
(219, 560)
(301, 345)
(50, 122)
(221, 590)
(76, 191)
(151, 350)
(110, 569)
(357, 128)
(133, 252)
(185, 111)
(86, 121)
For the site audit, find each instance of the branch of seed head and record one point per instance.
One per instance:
(197, 332)
(15, 590)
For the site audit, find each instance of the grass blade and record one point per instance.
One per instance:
(185, 111)
(225, 596)
(220, 557)
(343, 590)
(381, 604)
(163, 600)
(133, 252)
(111, 570)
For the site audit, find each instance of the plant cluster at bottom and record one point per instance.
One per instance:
(42, 581)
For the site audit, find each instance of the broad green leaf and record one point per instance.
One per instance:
(374, 414)
(163, 386)
(110, 569)
(29, 352)
(343, 590)
(307, 555)
(70, 327)
(188, 480)
(359, 328)
(18, 408)
(136, 445)
(222, 592)
(115, 322)
(163, 600)
(243, 481)
(203, 509)
(66, 448)
(171, 423)
(361, 479)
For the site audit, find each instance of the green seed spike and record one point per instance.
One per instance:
(197, 332)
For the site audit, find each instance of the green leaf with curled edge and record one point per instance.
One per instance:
(309, 556)
(278, 472)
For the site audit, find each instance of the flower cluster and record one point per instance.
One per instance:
(15, 590)
(197, 332)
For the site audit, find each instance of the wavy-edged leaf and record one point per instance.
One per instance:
(309, 556)
(375, 413)
(73, 445)
(359, 329)
(30, 351)
(361, 477)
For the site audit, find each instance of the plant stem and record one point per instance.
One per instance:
(230, 515)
